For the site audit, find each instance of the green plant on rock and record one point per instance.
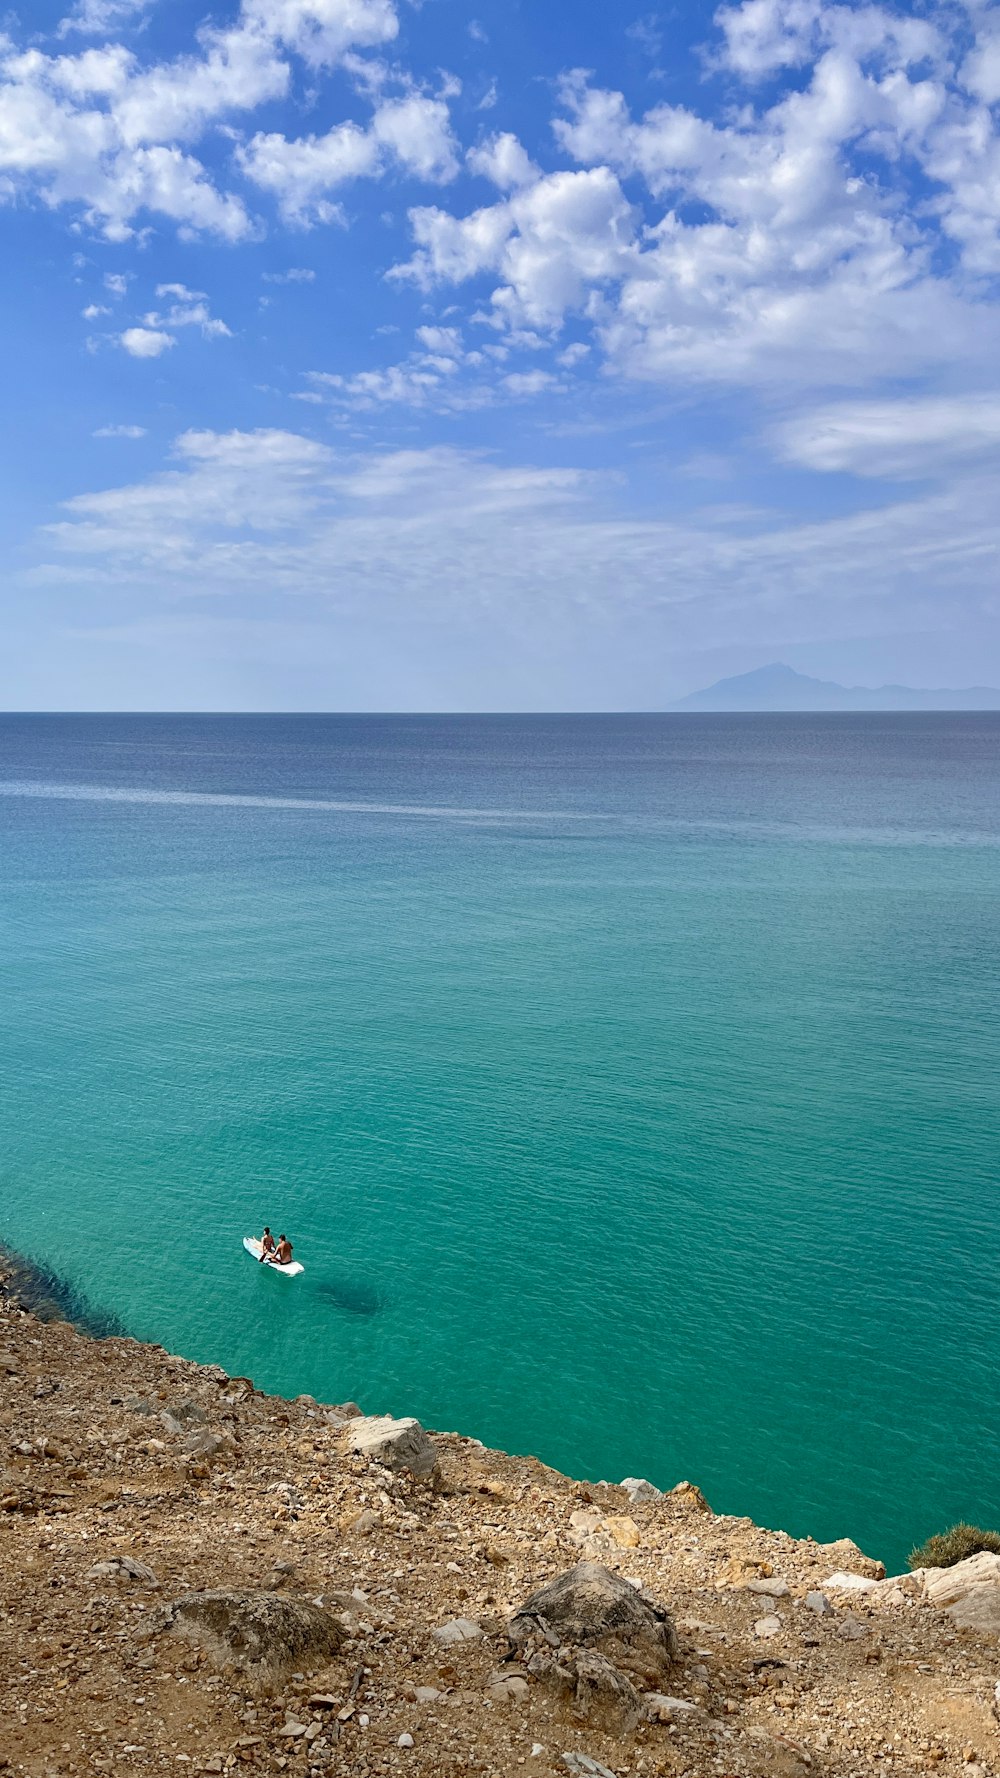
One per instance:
(954, 1546)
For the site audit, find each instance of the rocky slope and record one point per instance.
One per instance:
(196, 1577)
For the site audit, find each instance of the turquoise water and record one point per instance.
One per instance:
(629, 1086)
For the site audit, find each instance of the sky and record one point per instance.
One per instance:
(495, 355)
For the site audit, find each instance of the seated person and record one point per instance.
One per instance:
(284, 1252)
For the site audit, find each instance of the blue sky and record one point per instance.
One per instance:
(461, 355)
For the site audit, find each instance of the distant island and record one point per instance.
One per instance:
(778, 687)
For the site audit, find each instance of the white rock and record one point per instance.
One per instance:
(510, 1689)
(398, 1444)
(638, 1489)
(406, 1741)
(891, 1596)
(766, 1627)
(583, 1764)
(842, 1582)
(969, 1592)
(123, 1568)
(819, 1603)
(944, 1586)
(459, 1629)
(771, 1589)
(661, 1708)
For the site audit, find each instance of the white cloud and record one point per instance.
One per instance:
(95, 18)
(530, 382)
(189, 308)
(647, 33)
(296, 274)
(102, 133)
(981, 70)
(765, 35)
(441, 533)
(417, 131)
(116, 283)
(551, 244)
(321, 31)
(146, 342)
(807, 239)
(120, 432)
(175, 101)
(903, 438)
(94, 311)
(445, 340)
(799, 264)
(441, 375)
(503, 161)
(413, 133)
(412, 384)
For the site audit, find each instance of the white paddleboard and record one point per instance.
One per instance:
(292, 1270)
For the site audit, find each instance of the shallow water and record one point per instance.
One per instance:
(629, 1086)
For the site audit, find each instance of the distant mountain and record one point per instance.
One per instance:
(780, 688)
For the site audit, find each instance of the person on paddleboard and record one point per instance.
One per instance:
(267, 1247)
(284, 1254)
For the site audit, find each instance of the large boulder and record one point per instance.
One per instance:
(600, 1692)
(397, 1444)
(969, 1592)
(266, 1635)
(590, 1607)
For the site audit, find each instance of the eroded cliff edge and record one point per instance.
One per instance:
(197, 1577)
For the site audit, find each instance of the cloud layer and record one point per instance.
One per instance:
(716, 364)
(102, 133)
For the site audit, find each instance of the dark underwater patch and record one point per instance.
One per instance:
(352, 1296)
(51, 1297)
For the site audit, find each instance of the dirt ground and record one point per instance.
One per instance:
(115, 1453)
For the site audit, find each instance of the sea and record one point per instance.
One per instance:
(629, 1086)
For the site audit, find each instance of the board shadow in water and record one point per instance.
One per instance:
(352, 1296)
(51, 1297)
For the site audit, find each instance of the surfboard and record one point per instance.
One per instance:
(290, 1271)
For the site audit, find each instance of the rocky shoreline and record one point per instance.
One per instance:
(197, 1577)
